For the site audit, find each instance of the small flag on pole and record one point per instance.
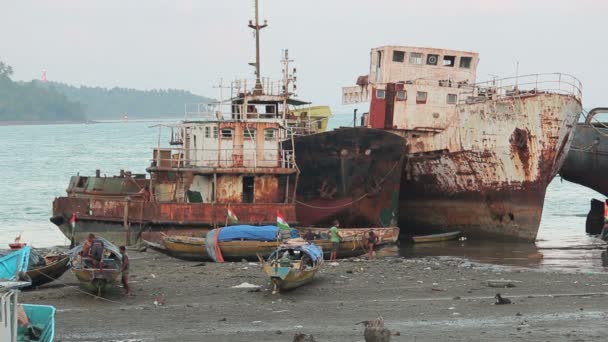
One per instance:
(232, 216)
(73, 221)
(281, 222)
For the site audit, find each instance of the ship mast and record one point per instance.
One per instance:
(257, 27)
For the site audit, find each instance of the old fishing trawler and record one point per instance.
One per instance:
(225, 155)
(479, 155)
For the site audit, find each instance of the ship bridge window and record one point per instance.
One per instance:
(215, 129)
(415, 58)
(465, 62)
(207, 132)
(452, 98)
(421, 97)
(249, 133)
(398, 56)
(449, 61)
(401, 95)
(432, 59)
(226, 133)
(269, 133)
(380, 93)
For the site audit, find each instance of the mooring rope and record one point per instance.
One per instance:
(382, 180)
(76, 288)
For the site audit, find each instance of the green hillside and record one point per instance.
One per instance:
(106, 103)
(30, 102)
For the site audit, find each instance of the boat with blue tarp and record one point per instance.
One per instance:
(293, 264)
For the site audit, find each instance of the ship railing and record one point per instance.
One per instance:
(202, 111)
(527, 85)
(267, 86)
(179, 157)
(228, 111)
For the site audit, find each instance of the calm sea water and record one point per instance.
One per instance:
(37, 162)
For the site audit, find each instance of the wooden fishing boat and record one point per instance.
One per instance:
(14, 263)
(96, 278)
(293, 264)
(55, 266)
(195, 248)
(436, 237)
(40, 325)
(386, 235)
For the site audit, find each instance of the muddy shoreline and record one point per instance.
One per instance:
(426, 299)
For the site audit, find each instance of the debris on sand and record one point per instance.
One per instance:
(299, 337)
(502, 283)
(375, 330)
(246, 285)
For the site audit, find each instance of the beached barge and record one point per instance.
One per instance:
(479, 156)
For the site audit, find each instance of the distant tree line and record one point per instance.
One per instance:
(104, 103)
(53, 101)
(27, 101)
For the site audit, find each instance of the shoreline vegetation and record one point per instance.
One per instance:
(40, 102)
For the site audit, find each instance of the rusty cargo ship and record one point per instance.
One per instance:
(225, 155)
(479, 156)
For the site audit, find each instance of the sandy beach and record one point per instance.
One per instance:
(428, 299)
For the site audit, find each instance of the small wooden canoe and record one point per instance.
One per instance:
(55, 267)
(193, 248)
(436, 237)
(300, 267)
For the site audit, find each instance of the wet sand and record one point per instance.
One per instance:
(426, 299)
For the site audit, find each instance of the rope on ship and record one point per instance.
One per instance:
(382, 180)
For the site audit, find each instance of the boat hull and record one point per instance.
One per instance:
(435, 237)
(349, 174)
(49, 272)
(494, 183)
(587, 160)
(96, 280)
(288, 278)
(150, 220)
(193, 248)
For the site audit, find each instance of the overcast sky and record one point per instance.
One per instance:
(190, 44)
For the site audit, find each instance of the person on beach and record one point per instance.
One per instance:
(86, 247)
(372, 242)
(335, 238)
(309, 236)
(125, 270)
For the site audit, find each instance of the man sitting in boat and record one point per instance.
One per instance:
(86, 247)
(97, 251)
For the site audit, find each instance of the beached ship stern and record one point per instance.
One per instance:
(479, 155)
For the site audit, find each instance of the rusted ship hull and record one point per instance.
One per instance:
(587, 161)
(127, 222)
(493, 185)
(349, 174)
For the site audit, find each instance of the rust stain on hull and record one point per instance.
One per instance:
(349, 174)
(494, 183)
